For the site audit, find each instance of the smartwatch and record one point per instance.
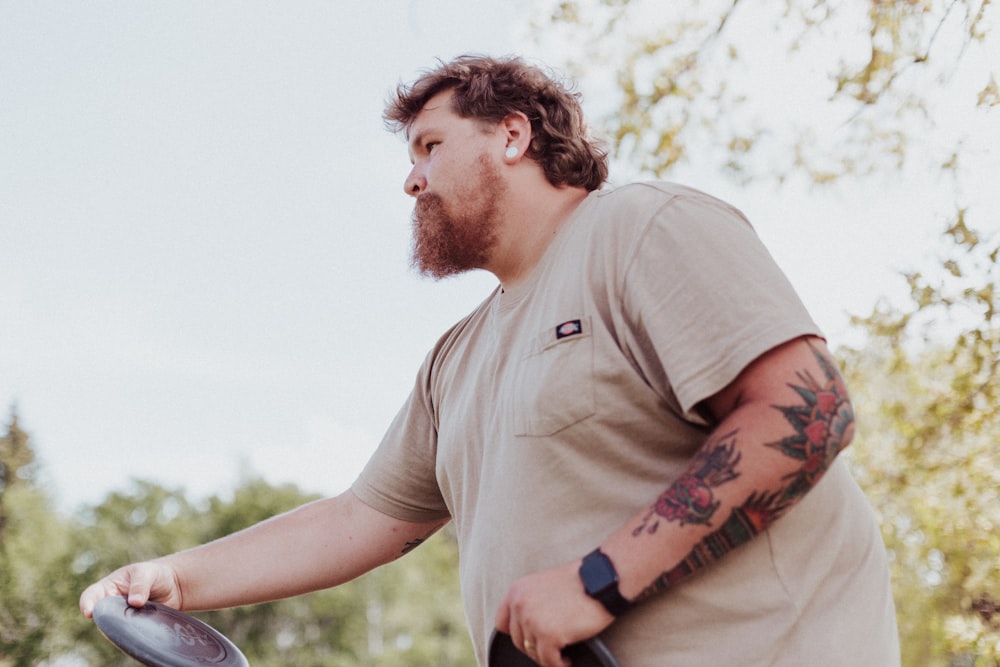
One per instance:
(600, 581)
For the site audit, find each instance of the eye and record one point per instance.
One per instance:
(430, 145)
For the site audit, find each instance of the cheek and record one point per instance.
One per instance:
(441, 175)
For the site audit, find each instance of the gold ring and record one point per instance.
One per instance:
(529, 645)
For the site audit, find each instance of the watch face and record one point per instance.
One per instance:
(600, 580)
(597, 573)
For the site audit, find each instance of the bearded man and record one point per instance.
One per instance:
(635, 434)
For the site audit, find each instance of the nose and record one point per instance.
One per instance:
(415, 183)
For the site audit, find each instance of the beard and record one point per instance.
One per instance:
(447, 240)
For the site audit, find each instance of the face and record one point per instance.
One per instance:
(455, 235)
(458, 188)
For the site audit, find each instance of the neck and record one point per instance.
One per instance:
(531, 222)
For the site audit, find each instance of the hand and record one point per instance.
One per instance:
(549, 610)
(140, 582)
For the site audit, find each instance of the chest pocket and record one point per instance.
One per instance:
(555, 383)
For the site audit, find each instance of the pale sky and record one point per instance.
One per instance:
(204, 238)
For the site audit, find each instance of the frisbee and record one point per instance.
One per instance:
(158, 636)
(590, 653)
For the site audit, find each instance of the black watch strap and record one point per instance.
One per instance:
(600, 581)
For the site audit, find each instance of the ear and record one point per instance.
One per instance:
(516, 132)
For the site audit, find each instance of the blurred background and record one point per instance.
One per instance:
(207, 314)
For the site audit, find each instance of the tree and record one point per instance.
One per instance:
(414, 608)
(311, 630)
(927, 385)
(16, 463)
(33, 543)
(408, 612)
(33, 588)
(814, 87)
(143, 522)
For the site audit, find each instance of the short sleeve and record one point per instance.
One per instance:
(706, 297)
(400, 479)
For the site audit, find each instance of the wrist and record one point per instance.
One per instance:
(600, 582)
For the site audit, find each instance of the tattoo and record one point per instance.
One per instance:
(690, 499)
(822, 426)
(411, 545)
(743, 524)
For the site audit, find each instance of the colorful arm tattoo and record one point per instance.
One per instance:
(690, 499)
(822, 425)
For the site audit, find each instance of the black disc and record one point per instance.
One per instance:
(590, 653)
(158, 636)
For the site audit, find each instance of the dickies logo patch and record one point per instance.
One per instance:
(571, 328)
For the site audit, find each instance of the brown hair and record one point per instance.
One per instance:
(490, 89)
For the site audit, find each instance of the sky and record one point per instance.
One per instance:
(205, 240)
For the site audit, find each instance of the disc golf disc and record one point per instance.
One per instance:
(158, 636)
(590, 653)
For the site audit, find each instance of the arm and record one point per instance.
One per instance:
(780, 424)
(318, 545)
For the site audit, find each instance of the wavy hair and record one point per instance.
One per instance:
(490, 89)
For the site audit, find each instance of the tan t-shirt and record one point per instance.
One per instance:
(557, 410)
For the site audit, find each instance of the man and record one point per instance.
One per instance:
(635, 434)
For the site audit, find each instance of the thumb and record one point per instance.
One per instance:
(140, 583)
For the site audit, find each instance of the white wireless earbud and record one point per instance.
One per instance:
(511, 152)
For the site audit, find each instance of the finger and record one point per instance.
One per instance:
(502, 620)
(110, 585)
(517, 637)
(550, 655)
(141, 582)
(89, 598)
(510, 619)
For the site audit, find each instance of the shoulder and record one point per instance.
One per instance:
(667, 211)
(644, 197)
(650, 192)
(651, 196)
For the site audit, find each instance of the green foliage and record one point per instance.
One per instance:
(927, 384)
(141, 523)
(316, 629)
(414, 609)
(16, 454)
(408, 612)
(33, 548)
(32, 559)
(16, 464)
(338, 626)
(864, 84)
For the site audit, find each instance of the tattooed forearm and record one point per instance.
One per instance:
(822, 425)
(743, 524)
(690, 499)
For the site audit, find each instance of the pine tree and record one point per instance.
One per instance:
(17, 460)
